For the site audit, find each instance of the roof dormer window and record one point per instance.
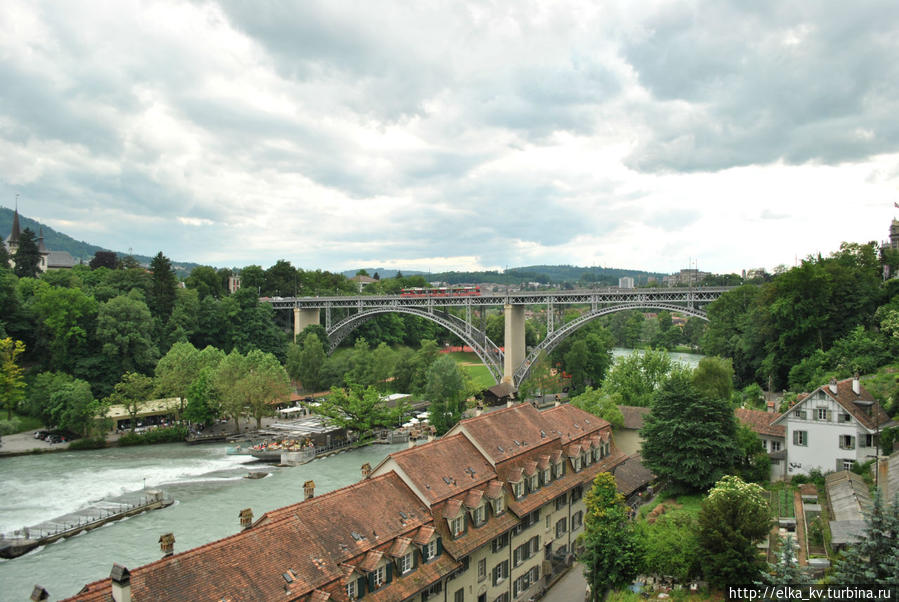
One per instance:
(518, 489)
(457, 525)
(479, 515)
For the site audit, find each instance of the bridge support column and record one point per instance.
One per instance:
(303, 318)
(514, 341)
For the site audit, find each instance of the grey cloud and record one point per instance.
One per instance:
(754, 98)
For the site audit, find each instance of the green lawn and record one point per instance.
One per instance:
(688, 503)
(480, 375)
(18, 424)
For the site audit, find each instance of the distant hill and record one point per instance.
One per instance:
(383, 272)
(79, 249)
(548, 274)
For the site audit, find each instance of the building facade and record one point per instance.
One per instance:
(488, 513)
(832, 428)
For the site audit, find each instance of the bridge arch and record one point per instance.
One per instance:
(553, 339)
(487, 351)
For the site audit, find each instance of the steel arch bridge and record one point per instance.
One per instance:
(511, 363)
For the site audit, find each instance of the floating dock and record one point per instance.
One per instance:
(13, 545)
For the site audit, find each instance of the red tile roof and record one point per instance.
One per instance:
(633, 416)
(509, 432)
(473, 498)
(444, 467)
(760, 422)
(399, 547)
(494, 489)
(863, 407)
(424, 575)
(452, 508)
(371, 560)
(572, 423)
(423, 535)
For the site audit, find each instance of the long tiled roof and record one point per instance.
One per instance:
(631, 475)
(509, 432)
(863, 407)
(444, 467)
(633, 416)
(572, 423)
(760, 422)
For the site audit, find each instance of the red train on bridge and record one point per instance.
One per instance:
(442, 291)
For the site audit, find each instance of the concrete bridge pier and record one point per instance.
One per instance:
(514, 341)
(303, 318)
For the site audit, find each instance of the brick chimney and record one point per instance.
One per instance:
(309, 489)
(121, 583)
(833, 386)
(167, 544)
(246, 518)
(366, 470)
(39, 593)
(856, 386)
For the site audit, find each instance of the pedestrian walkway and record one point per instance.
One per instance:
(572, 587)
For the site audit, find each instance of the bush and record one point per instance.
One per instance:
(172, 434)
(88, 443)
(8, 427)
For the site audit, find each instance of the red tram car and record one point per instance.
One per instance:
(442, 291)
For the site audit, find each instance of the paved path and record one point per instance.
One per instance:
(25, 442)
(572, 587)
(799, 511)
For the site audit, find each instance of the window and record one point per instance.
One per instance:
(501, 572)
(525, 581)
(561, 501)
(595, 454)
(479, 515)
(547, 521)
(352, 591)
(430, 550)
(775, 446)
(378, 577)
(866, 441)
(459, 596)
(518, 489)
(799, 414)
(847, 442)
(577, 520)
(406, 563)
(820, 413)
(532, 483)
(559, 469)
(499, 505)
(561, 526)
(457, 525)
(577, 464)
(577, 493)
(432, 591)
(503, 597)
(800, 438)
(499, 542)
(482, 569)
(845, 417)
(546, 476)
(526, 550)
(848, 464)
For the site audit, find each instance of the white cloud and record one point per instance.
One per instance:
(456, 135)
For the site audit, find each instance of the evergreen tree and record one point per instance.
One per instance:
(312, 358)
(786, 571)
(27, 257)
(4, 256)
(689, 438)
(612, 554)
(163, 283)
(874, 560)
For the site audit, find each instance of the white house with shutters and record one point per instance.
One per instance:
(832, 428)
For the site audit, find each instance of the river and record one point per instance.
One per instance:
(689, 359)
(207, 484)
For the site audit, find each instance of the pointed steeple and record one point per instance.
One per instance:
(42, 249)
(14, 235)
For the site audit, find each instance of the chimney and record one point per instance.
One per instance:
(246, 518)
(833, 386)
(39, 593)
(856, 387)
(121, 583)
(509, 404)
(366, 470)
(167, 544)
(770, 406)
(309, 489)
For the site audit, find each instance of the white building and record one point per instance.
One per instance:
(832, 428)
(626, 282)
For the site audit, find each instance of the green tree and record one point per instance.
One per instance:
(714, 376)
(104, 259)
(383, 361)
(27, 257)
(133, 391)
(4, 257)
(753, 463)
(612, 554)
(12, 380)
(636, 377)
(688, 438)
(358, 409)
(252, 277)
(178, 369)
(874, 559)
(124, 325)
(202, 406)
(786, 571)
(599, 404)
(445, 389)
(542, 379)
(226, 381)
(67, 319)
(671, 546)
(74, 408)
(264, 382)
(206, 281)
(732, 520)
(163, 284)
(39, 393)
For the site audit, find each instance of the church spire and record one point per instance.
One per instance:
(14, 235)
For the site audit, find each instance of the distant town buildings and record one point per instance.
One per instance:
(686, 277)
(50, 260)
(626, 282)
(233, 284)
(362, 281)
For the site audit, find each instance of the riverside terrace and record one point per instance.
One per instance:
(489, 512)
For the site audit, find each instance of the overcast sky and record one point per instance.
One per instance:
(455, 135)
